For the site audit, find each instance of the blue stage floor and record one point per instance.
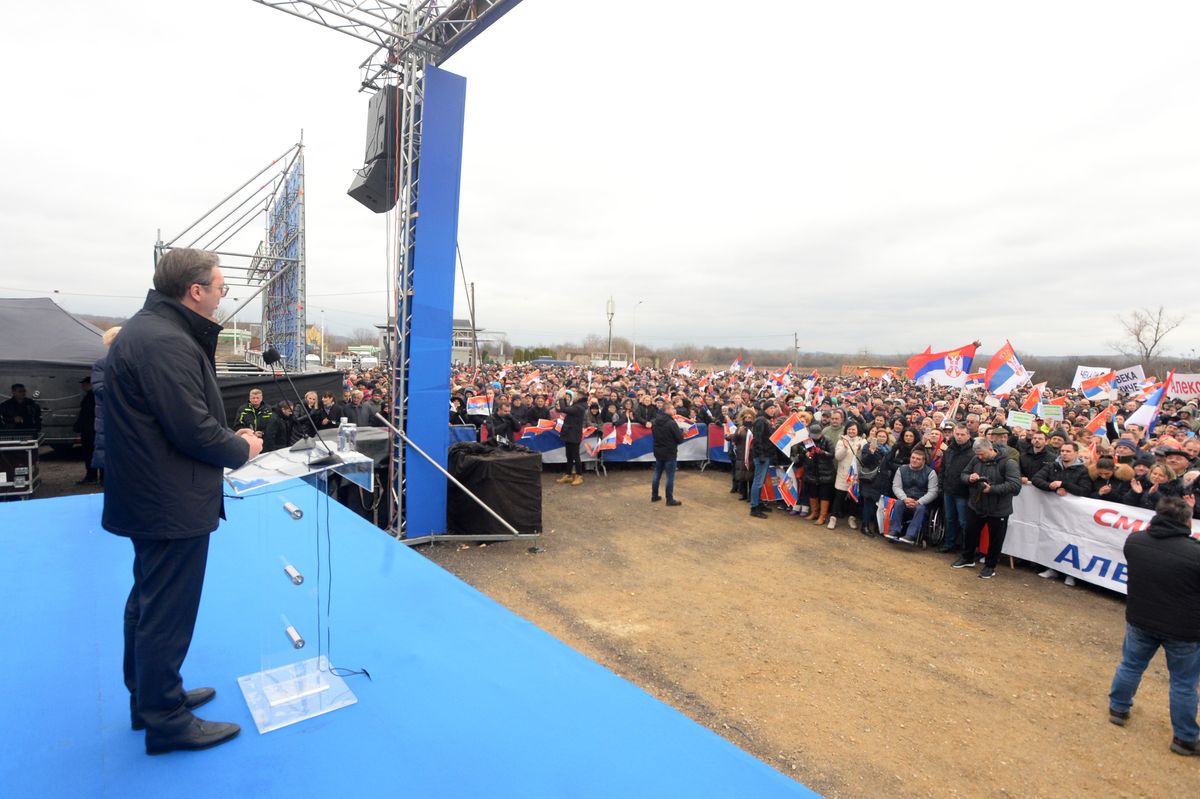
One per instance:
(467, 699)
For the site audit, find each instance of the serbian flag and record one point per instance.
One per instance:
(705, 381)
(558, 423)
(529, 378)
(852, 483)
(609, 441)
(587, 431)
(690, 429)
(684, 368)
(888, 377)
(1099, 420)
(750, 368)
(818, 395)
(786, 486)
(633, 367)
(1033, 398)
(770, 489)
(949, 368)
(730, 428)
(792, 431)
(885, 523)
(671, 365)
(1059, 401)
(1147, 415)
(1004, 371)
(1097, 387)
(736, 366)
(478, 406)
(975, 379)
(811, 380)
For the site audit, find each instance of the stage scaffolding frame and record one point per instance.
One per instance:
(408, 37)
(276, 268)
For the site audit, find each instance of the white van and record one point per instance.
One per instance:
(343, 363)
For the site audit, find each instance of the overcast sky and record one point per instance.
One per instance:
(885, 175)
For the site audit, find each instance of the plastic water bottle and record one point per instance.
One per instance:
(351, 437)
(341, 444)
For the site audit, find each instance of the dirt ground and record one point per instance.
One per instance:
(859, 667)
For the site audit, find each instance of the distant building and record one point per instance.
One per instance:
(463, 336)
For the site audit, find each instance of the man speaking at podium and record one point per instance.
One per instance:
(167, 444)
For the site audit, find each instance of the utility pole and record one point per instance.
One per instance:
(610, 308)
(796, 348)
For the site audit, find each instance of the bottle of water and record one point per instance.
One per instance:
(341, 444)
(351, 437)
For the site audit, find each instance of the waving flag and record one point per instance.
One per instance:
(852, 483)
(974, 380)
(750, 368)
(770, 489)
(1033, 398)
(478, 406)
(609, 441)
(633, 367)
(736, 366)
(949, 368)
(542, 426)
(792, 431)
(786, 486)
(684, 368)
(1147, 415)
(671, 365)
(730, 428)
(705, 382)
(818, 394)
(690, 429)
(1097, 387)
(1004, 371)
(1099, 420)
(888, 377)
(811, 380)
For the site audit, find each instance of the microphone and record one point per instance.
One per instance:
(272, 357)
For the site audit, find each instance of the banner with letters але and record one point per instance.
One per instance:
(1084, 538)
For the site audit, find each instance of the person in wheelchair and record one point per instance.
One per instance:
(916, 488)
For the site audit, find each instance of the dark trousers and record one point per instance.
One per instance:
(160, 616)
(89, 448)
(659, 468)
(574, 462)
(997, 529)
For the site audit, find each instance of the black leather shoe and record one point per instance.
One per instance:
(191, 700)
(200, 734)
(671, 503)
(655, 499)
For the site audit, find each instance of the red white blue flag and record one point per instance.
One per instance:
(792, 431)
(1005, 372)
(736, 365)
(948, 368)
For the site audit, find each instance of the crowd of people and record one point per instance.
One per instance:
(866, 439)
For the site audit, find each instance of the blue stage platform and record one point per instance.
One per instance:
(466, 700)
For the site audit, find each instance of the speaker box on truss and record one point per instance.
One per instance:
(375, 185)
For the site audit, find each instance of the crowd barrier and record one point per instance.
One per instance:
(1080, 537)
(1076, 536)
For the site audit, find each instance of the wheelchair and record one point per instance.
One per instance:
(933, 531)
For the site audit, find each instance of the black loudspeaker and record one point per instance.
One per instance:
(381, 124)
(375, 185)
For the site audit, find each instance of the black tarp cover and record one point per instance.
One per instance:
(508, 480)
(36, 334)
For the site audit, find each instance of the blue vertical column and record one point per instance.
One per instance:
(433, 299)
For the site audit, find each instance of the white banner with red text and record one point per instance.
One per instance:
(1084, 538)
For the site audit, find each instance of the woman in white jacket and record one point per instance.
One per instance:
(846, 454)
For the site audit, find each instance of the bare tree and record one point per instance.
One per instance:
(1144, 332)
(365, 335)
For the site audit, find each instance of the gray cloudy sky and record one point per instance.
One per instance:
(870, 174)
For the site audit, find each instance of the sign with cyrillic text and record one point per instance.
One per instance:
(1020, 419)
(1184, 387)
(1084, 372)
(1127, 379)
(1084, 538)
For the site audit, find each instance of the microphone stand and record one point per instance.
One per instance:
(272, 357)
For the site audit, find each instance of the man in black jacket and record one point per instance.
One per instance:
(1163, 609)
(281, 428)
(993, 480)
(85, 426)
(762, 452)
(167, 444)
(667, 438)
(957, 455)
(1066, 474)
(1034, 455)
(572, 403)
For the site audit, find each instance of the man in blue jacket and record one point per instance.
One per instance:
(166, 447)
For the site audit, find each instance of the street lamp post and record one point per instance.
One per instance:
(610, 308)
(635, 307)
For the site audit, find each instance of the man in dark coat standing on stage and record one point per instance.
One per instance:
(1163, 610)
(167, 444)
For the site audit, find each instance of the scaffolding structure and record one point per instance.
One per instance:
(408, 38)
(275, 268)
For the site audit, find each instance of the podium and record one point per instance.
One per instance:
(290, 687)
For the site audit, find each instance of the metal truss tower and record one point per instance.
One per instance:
(408, 38)
(276, 268)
